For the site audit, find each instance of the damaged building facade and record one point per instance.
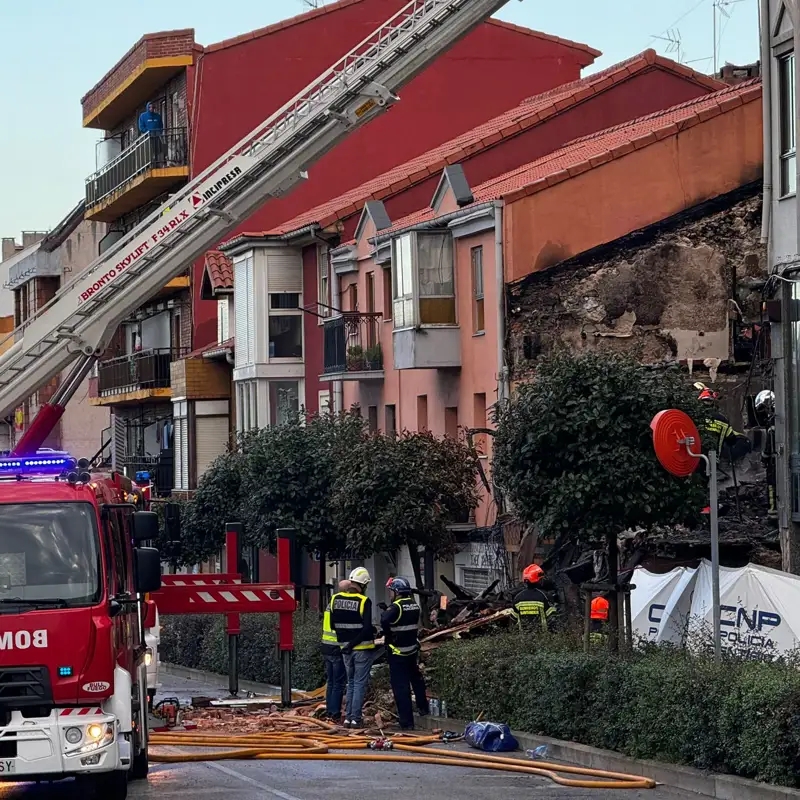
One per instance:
(685, 290)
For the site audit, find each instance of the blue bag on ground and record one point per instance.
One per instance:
(492, 737)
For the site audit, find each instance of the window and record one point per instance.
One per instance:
(284, 300)
(352, 296)
(437, 296)
(478, 322)
(323, 290)
(403, 295)
(284, 402)
(788, 138)
(223, 320)
(479, 421)
(422, 412)
(387, 294)
(372, 417)
(390, 414)
(451, 422)
(285, 335)
(324, 402)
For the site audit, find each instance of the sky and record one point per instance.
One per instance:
(53, 52)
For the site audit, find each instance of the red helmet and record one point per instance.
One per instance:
(705, 393)
(600, 609)
(532, 573)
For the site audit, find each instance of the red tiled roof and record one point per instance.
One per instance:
(299, 19)
(598, 148)
(228, 344)
(220, 270)
(530, 112)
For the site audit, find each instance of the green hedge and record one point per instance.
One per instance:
(200, 642)
(739, 717)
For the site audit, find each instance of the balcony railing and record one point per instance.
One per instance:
(147, 369)
(161, 469)
(149, 151)
(352, 343)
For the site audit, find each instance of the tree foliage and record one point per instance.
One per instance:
(405, 490)
(574, 451)
(340, 487)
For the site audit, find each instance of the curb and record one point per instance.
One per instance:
(215, 679)
(687, 779)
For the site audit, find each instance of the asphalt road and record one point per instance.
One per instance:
(321, 780)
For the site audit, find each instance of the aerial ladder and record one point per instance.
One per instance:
(77, 324)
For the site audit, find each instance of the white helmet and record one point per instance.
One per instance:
(360, 575)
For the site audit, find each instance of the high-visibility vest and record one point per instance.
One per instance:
(530, 606)
(328, 634)
(347, 618)
(404, 629)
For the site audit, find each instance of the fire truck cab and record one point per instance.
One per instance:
(73, 677)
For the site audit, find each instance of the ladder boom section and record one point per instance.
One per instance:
(267, 163)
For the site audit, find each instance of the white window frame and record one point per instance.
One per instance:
(787, 120)
(323, 283)
(286, 312)
(403, 285)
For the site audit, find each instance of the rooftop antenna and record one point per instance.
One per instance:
(672, 37)
(313, 3)
(720, 6)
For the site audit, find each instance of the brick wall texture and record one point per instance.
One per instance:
(153, 45)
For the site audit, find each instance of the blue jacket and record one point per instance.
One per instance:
(150, 122)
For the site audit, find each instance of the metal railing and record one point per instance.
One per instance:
(161, 469)
(149, 151)
(147, 369)
(351, 343)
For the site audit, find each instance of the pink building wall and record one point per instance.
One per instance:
(463, 389)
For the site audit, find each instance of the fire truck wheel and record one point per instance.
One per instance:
(140, 766)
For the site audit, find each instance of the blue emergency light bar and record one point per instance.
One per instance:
(45, 464)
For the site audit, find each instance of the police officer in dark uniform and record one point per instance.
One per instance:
(532, 607)
(400, 624)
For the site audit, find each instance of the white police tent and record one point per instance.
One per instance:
(760, 608)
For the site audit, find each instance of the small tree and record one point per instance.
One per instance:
(289, 478)
(216, 502)
(574, 450)
(405, 490)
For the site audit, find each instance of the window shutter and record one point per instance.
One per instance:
(181, 453)
(284, 272)
(211, 441)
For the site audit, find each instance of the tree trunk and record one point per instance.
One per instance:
(613, 601)
(413, 554)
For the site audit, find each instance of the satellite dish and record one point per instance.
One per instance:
(674, 434)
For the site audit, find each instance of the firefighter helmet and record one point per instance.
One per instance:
(533, 573)
(765, 403)
(600, 609)
(360, 576)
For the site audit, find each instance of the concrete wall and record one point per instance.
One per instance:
(634, 191)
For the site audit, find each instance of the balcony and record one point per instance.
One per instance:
(136, 377)
(352, 348)
(160, 468)
(140, 173)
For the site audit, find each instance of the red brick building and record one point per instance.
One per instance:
(211, 97)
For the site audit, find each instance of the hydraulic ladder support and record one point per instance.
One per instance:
(84, 314)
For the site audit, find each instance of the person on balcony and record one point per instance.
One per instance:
(152, 125)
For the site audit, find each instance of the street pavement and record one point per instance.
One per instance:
(322, 780)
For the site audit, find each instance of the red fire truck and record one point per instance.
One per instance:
(73, 682)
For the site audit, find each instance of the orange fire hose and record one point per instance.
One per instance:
(292, 746)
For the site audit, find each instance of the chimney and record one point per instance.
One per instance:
(733, 73)
(9, 248)
(31, 237)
